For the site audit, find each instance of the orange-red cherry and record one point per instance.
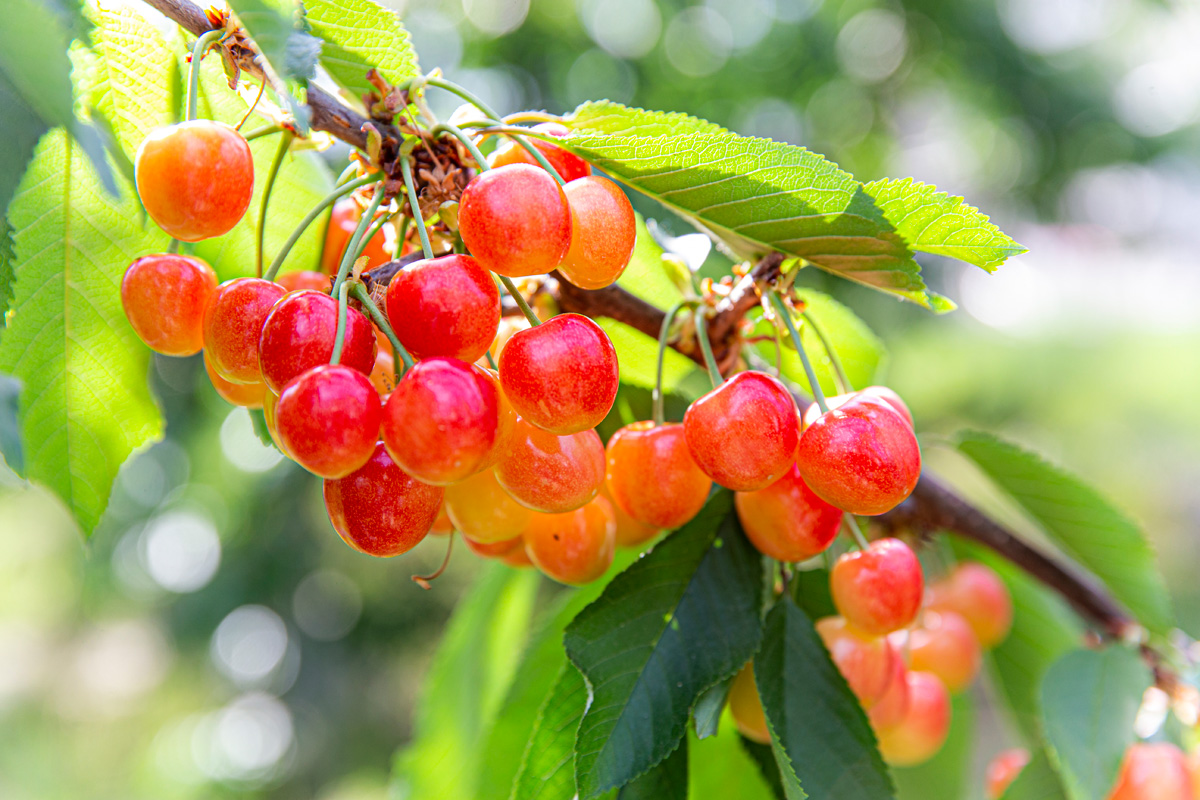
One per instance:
(568, 165)
(652, 476)
(890, 709)
(878, 392)
(630, 532)
(515, 220)
(248, 395)
(164, 297)
(300, 332)
(745, 706)
(944, 644)
(233, 324)
(1003, 770)
(603, 231)
(878, 590)
(550, 473)
(328, 420)
(343, 220)
(980, 596)
(786, 520)
(1156, 771)
(920, 735)
(576, 547)
(868, 663)
(447, 306)
(481, 509)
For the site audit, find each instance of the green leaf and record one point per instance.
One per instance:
(360, 35)
(763, 756)
(1082, 522)
(667, 780)
(10, 429)
(280, 31)
(86, 404)
(1089, 701)
(1037, 781)
(709, 705)
(547, 770)
(614, 119)
(810, 590)
(8, 277)
(822, 741)
(936, 222)
(946, 776)
(682, 618)
(719, 767)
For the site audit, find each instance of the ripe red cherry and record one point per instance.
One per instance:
(786, 520)
(481, 509)
(878, 392)
(233, 323)
(743, 433)
(878, 590)
(1155, 771)
(978, 594)
(249, 395)
(944, 644)
(745, 707)
(630, 532)
(446, 306)
(568, 165)
(923, 730)
(562, 375)
(195, 178)
(1003, 770)
(440, 422)
(305, 280)
(328, 420)
(379, 509)
(515, 220)
(868, 663)
(164, 297)
(603, 230)
(891, 708)
(576, 547)
(652, 475)
(300, 332)
(342, 222)
(549, 473)
(506, 418)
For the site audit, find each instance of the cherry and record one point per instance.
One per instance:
(300, 332)
(440, 421)
(813, 412)
(878, 590)
(233, 323)
(549, 473)
(304, 280)
(515, 220)
(862, 457)
(652, 476)
(506, 418)
(483, 512)
(561, 375)
(868, 663)
(576, 547)
(379, 509)
(383, 374)
(786, 520)
(923, 731)
(568, 165)
(745, 706)
(511, 551)
(977, 593)
(603, 230)
(1003, 770)
(195, 178)
(508, 326)
(446, 306)
(249, 395)
(343, 220)
(270, 406)
(1155, 771)
(944, 644)
(164, 297)
(630, 532)
(892, 706)
(743, 433)
(328, 420)
(442, 526)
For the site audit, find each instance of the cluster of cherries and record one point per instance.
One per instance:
(1149, 771)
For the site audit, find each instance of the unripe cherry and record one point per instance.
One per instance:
(1003, 770)
(483, 512)
(300, 333)
(164, 297)
(743, 433)
(562, 375)
(980, 596)
(549, 473)
(379, 509)
(890, 709)
(233, 323)
(745, 706)
(944, 644)
(305, 280)
(923, 731)
(868, 663)
(576, 547)
(248, 395)
(603, 231)
(813, 412)
(1155, 771)
(786, 520)
(568, 165)
(515, 220)
(878, 590)
(195, 178)
(343, 221)
(447, 306)
(328, 420)
(630, 532)
(652, 476)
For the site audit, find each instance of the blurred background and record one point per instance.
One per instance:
(216, 639)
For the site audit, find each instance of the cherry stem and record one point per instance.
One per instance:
(520, 300)
(356, 243)
(317, 210)
(173, 247)
(381, 321)
(663, 336)
(461, 135)
(262, 87)
(710, 361)
(423, 580)
(813, 383)
(347, 173)
(855, 531)
(839, 372)
(339, 339)
(491, 361)
(265, 130)
(198, 51)
(778, 352)
(531, 116)
(285, 142)
(415, 204)
(372, 231)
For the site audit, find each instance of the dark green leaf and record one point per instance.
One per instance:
(667, 780)
(10, 430)
(360, 35)
(8, 277)
(946, 776)
(810, 590)
(709, 705)
(547, 770)
(20, 129)
(764, 758)
(682, 618)
(1037, 781)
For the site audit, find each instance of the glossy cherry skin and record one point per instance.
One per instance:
(195, 178)
(878, 590)
(233, 324)
(977, 593)
(446, 306)
(576, 547)
(483, 512)
(878, 392)
(891, 708)
(923, 731)
(630, 532)
(300, 332)
(652, 476)
(164, 297)
(743, 433)
(745, 706)
(305, 280)
(550, 473)
(515, 220)
(379, 509)
(862, 457)
(342, 222)
(508, 326)
(506, 418)
(562, 375)
(1003, 770)
(440, 422)
(868, 663)
(944, 644)
(786, 520)
(603, 231)
(328, 420)
(568, 165)
(248, 395)
(1155, 771)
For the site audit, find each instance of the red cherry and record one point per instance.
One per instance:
(506, 418)
(233, 323)
(786, 520)
(1155, 771)
(868, 663)
(630, 532)
(515, 220)
(568, 165)
(549, 473)
(483, 511)
(603, 231)
(745, 707)
(164, 297)
(1003, 770)
(978, 594)
(923, 731)
(562, 375)
(305, 280)
(249, 395)
(878, 590)
(328, 420)
(440, 422)
(652, 475)
(862, 457)
(944, 644)
(446, 306)
(195, 178)
(379, 509)
(343, 221)
(891, 708)
(300, 332)
(743, 433)
(813, 412)
(576, 547)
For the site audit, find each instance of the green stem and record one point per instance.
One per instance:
(839, 373)
(317, 210)
(198, 51)
(813, 383)
(461, 135)
(285, 142)
(346, 174)
(491, 361)
(375, 228)
(710, 361)
(411, 188)
(856, 531)
(265, 130)
(340, 338)
(515, 295)
(663, 335)
(173, 247)
(355, 246)
(381, 321)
